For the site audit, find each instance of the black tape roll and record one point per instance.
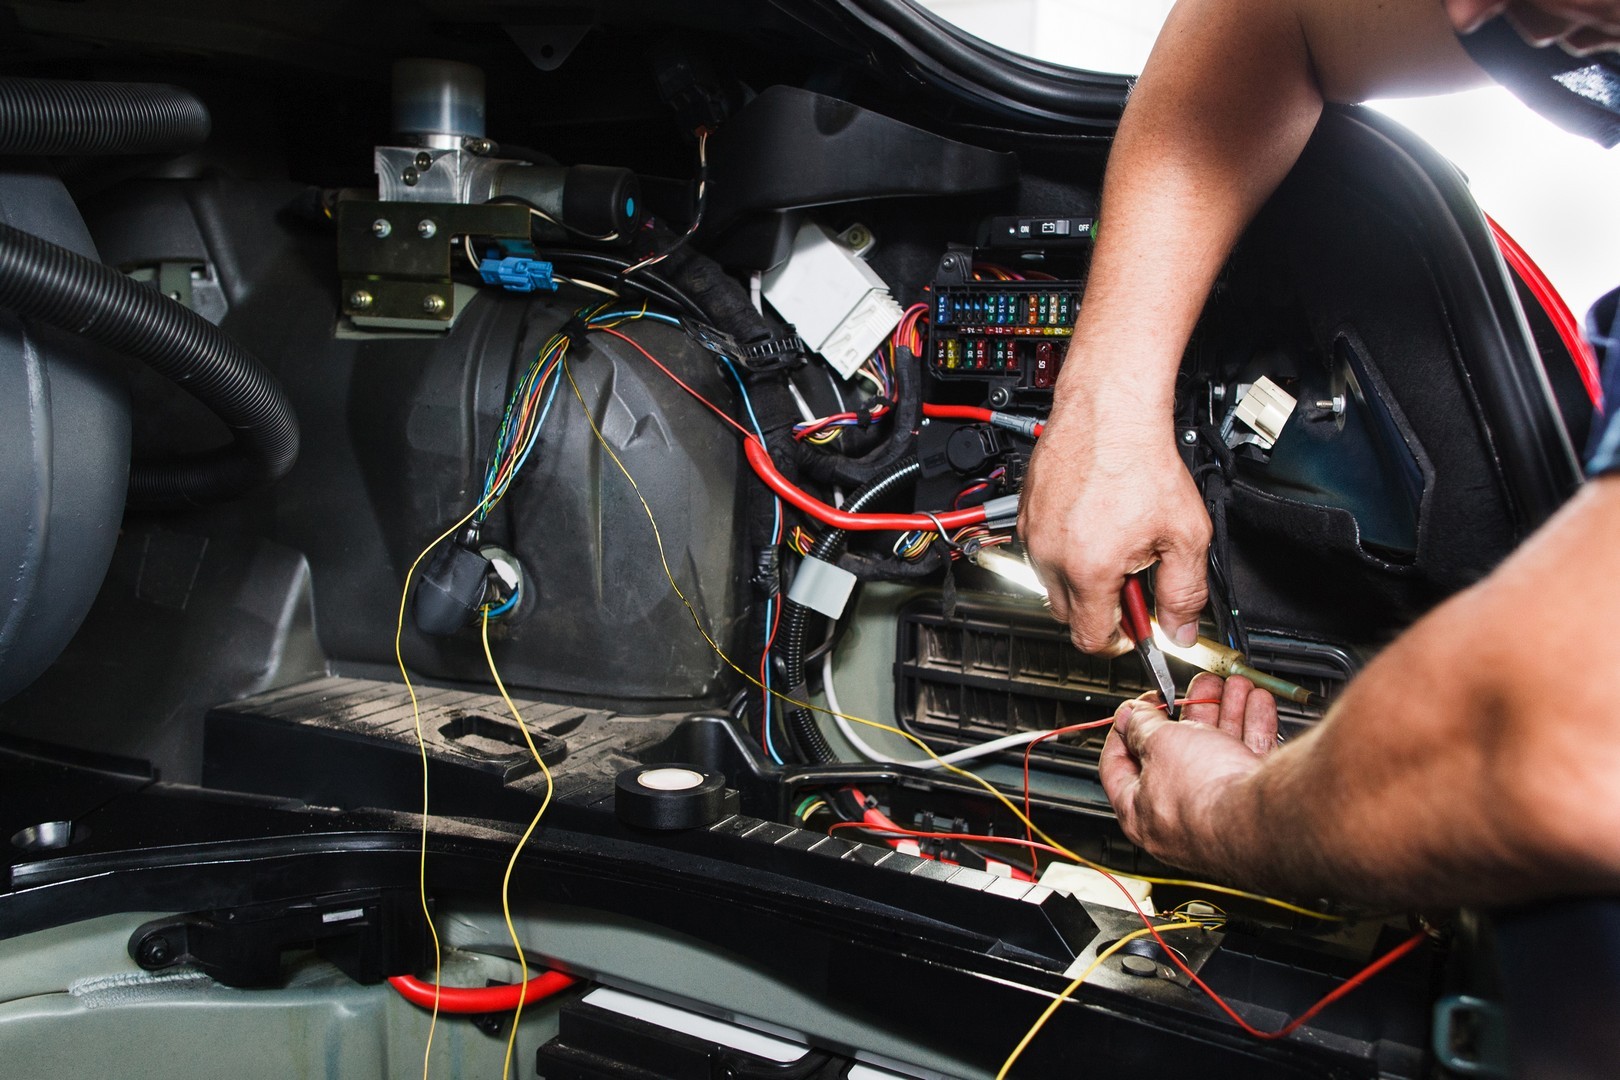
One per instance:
(670, 796)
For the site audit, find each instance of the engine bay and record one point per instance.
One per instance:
(659, 401)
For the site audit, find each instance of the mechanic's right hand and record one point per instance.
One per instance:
(1107, 495)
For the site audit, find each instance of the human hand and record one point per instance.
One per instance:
(1578, 26)
(1106, 495)
(1167, 779)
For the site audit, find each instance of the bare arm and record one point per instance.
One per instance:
(1231, 93)
(1475, 760)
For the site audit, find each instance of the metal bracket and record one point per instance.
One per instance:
(368, 934)
(394, 258)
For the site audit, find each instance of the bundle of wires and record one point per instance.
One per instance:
(879, 372)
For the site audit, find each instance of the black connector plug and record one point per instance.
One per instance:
(450, 590)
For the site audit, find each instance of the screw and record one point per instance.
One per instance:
(154, 952)
(433, 304)
(424, 160)
(477, 146)
(360, 299)
(1335, 403)
(1000, 397)
(409, 176)
(381, 228)
(426, 229)
(1189, 437)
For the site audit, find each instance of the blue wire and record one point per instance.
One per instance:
(508, 605)
(776, 528)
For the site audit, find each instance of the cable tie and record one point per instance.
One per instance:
(575, 330)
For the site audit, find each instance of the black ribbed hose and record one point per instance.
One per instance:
(801, 723)
(39, 280)
(60, 116)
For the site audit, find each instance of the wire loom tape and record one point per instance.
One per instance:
(671, 796)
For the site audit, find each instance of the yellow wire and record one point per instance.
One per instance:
(421, 746)
(1069, 990)
(994, 792)
(506, 881)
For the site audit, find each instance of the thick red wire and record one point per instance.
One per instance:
(480, 999)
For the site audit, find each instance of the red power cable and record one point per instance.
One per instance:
(1563, 320)
(480, 999)
(966, 412)
(766, 470)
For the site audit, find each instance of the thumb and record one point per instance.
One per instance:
(1135, 723)
(1180, 592)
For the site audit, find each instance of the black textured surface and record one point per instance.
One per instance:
(44, 281)
(353, 743)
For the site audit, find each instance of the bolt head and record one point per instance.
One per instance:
(381, 228)
(360, 299)
(154, 952)
(424, 160)
(1000, 396)
(409, 176)
(1189, 437)
(426, 229)
(433, 305)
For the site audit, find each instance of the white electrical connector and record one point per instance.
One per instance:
(1265, 409)
(838, 304)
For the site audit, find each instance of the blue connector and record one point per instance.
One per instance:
(517, 274)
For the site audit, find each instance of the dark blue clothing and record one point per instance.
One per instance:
(1603, 330)
(1578, 93)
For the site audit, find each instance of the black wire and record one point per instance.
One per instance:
(514, 200)
(654, 285)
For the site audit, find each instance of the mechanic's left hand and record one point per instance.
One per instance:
(1167, 778)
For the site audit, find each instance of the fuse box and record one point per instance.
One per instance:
(1005, 330)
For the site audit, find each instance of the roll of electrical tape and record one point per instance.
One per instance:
(670, 796)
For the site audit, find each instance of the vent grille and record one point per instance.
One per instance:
(989, 671)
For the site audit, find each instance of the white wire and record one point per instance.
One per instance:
(584, 284)
(866, 750)
(805, 413)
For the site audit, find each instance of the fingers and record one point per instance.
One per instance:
(1234, 696)
(1260, 722)
(1205, 689)
(1118, 770)
(1468, 15)
(1181, 586)
(1136, 723)
(1094, 615)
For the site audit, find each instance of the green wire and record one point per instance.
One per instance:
(811, 801)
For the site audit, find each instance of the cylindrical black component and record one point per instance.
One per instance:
(42, 281)
(601, 199)
(60, 116)
(670, 796)
(449, 590)
(801, 722)
(586, 200)
(438, 97)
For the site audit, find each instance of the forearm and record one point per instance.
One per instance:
(1226, 103)
(1475, 760)
(1228, 99)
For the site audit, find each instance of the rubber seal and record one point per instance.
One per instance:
(669, 796)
